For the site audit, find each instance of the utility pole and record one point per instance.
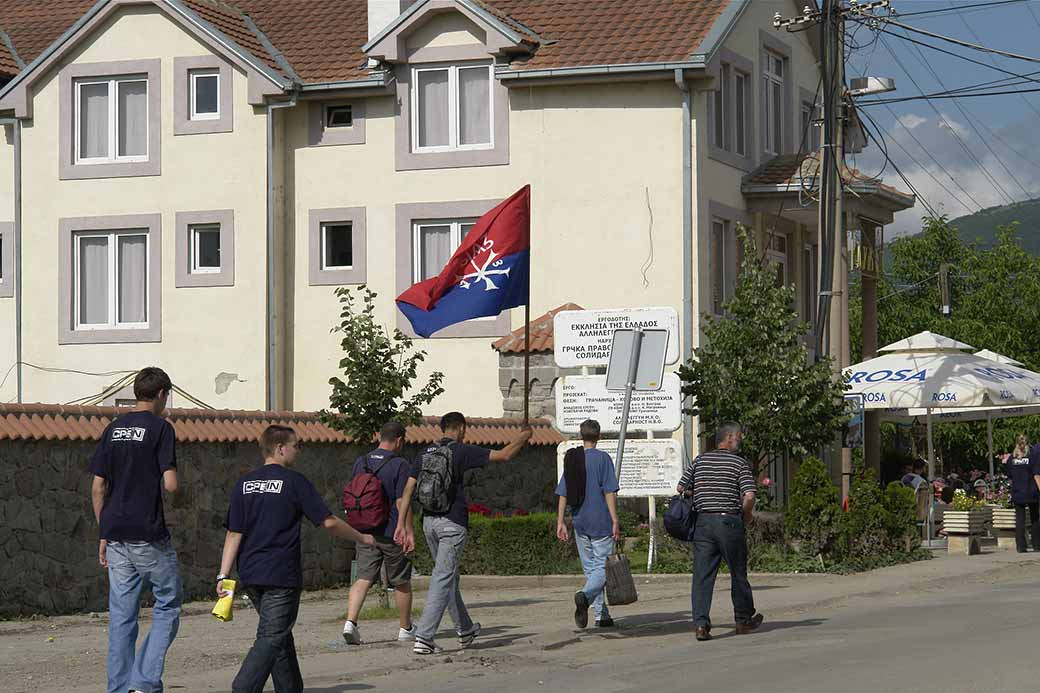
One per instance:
(832, 325)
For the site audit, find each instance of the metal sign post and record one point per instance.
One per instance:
(651, 553)
(630, 385)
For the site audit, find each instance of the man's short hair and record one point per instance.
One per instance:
(727, 429)
(391, 432)
(149, 383)
(590, 430)
(919, 464)
(452, 421)
(273, 436)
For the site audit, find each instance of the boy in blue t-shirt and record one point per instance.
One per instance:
(263, 534)
(595, 521)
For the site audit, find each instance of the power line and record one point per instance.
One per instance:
(939, 96)
(961, 8)
(971, 123)
(879, 140)
(950, 39)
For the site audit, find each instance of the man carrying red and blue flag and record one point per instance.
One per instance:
(488, 274)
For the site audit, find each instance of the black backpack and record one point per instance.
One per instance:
(435, 484)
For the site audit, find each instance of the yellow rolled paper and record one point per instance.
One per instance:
(223, 608)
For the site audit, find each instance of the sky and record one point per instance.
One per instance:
(1002, 133)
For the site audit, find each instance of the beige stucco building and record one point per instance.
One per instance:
(198, 177)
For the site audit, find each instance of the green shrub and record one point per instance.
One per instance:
(813, 514)
(901, 516)
(863, 532)
(518, 545)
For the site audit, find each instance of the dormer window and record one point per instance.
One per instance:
(452, 108)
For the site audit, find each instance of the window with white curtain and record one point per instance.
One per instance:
(435, 242)
(452, 107)
(110, 279)
(773, 102)
(205, 94)
(111, 122)
(205, 248)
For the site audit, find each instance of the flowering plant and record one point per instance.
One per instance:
(963, 502)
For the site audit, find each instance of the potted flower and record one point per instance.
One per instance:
(966, 515)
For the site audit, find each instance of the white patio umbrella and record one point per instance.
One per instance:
(984, 413)
(934, 373)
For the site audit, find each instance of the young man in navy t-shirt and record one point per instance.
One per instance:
(387, 465)
(132, 465)
(263, 534)
(446, 533)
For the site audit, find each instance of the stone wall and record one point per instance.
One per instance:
(544, 374)
(48, 536)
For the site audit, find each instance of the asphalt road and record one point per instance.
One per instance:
(951, 624)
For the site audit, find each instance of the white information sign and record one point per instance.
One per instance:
(652, 467)
(580, 397)
(583, 337)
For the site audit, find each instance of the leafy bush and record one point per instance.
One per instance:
(901, 516)
(962, 501)
(863, 531)
(518, 545)
(814, 509)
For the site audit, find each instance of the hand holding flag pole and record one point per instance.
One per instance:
(489, 273)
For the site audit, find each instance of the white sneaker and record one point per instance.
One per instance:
(406, 634)
(425, 647)
(351, 634)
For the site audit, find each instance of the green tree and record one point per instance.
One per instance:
(754, 368)
(994, 296)
(379, 369)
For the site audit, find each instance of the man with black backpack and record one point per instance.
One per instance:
(372, 503)
(436, 480)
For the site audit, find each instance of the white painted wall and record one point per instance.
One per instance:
(8, 389)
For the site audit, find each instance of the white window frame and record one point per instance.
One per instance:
(457, 234)
(775, 256)
(113, 117)
(324, 245)
(454, 110)
(112, 237)
(193, 234)
(773, 81)
(193, 76)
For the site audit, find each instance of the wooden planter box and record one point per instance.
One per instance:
(965, 521)
(1003, 518)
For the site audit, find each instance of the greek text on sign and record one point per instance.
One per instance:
(583, 337)
(652, 467)
(580, 397)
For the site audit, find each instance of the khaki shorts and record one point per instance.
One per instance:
(371, 558)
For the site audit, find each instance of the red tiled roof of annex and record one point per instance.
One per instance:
(561, 33)
(791, 169)
(76, 423)
(541, 334)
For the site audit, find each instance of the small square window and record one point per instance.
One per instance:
(339, 116)
(205, 94)
(205, 248)
(125, 402)
(337, 251)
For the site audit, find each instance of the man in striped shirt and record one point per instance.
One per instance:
(723, 490)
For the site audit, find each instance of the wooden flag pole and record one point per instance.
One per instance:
(527, 360)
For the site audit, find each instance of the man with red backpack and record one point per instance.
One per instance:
(372, 503)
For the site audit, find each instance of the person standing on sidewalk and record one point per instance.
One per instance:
(589, 486)
(263, 534)
(1023, 469)
(387, 465)
(437, 481)
(134, 462)
(723, 491)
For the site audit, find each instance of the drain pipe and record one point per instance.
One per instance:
(273, 313)
(16, 127)
(687, 235)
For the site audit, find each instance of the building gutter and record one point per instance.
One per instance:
(687, 231)
(376, 82)
(16, 126)
(696, 63)
(272, 304)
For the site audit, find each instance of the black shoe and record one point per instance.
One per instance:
(581, 610)
(703, 634)
(607, 622)
(750, 626)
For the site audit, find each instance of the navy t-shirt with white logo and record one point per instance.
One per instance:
(1021, 471)
(266, 507)
(135, 450)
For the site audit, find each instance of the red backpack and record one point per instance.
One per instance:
(364, 502)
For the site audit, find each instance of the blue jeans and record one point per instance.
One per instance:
(719, 537)
(131, 567)
(274, 652)
(446, 541)
(594, 552)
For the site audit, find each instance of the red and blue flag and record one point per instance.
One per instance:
(488, 274)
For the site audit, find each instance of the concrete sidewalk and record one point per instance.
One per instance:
(528, 628)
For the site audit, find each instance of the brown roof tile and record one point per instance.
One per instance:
(541, 334)
(794, 169)
(58, 422)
